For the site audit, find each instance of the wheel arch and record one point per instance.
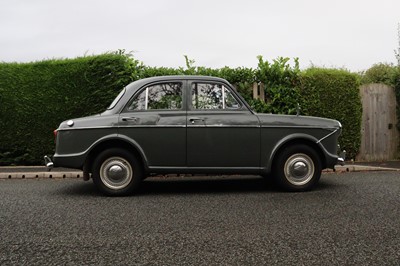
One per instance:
(296, 140)
(116, 142)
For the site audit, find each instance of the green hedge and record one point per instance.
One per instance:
(282, 84)
(334, 94)
(36, 97)
(381, 73)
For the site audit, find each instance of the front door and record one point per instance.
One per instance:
(221, 131)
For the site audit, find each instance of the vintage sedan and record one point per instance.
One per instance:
(193, 125)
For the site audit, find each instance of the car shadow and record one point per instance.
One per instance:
(79, 188)
(205, 185)
(188, 185)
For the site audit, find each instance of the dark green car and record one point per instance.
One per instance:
(196, 125)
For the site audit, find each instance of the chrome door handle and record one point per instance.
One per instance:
(126, 119)
(194, 119)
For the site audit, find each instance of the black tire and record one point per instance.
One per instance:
(297, 168)
(116, 172)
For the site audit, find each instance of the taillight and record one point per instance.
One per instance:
(55, 134)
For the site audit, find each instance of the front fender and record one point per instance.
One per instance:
(297, 137)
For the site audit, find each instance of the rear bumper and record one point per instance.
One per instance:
(64, 162)
(48, 162)
(74, 161)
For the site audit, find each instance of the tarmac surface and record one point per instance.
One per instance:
(348, 219)
(22, 172)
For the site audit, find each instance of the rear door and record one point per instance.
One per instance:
(155, 119)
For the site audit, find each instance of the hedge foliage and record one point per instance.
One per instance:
(381, 73)
(334, 93)
(36, 97)
(282, 84)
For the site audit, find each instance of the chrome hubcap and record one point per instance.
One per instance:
(116, 173)
(299, 169)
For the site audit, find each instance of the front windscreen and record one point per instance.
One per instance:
(116, 100)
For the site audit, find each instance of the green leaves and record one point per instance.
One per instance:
(334, 93)
(381, 73)
(281, 85)
(36, 97)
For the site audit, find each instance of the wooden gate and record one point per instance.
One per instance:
(379, 135)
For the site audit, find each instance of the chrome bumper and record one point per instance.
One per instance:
(340, 161)
(341, 158)
(48, 162)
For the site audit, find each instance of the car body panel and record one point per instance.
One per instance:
(162, 135)
(210, 139)
(193, 141)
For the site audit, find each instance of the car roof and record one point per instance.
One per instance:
(133, 87)
(141, 82)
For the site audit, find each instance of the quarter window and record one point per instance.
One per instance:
(165, 96)
(212, 96)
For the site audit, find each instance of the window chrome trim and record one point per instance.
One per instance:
(223, 97)
(146, 100)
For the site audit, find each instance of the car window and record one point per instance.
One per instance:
(164, 96)
(212, 96)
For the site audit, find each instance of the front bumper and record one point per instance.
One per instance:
(342, 157)
(340, 161)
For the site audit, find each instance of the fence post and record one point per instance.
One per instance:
(255, 90)
(262, 92)
(258, 91)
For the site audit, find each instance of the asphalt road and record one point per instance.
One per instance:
(350, 219)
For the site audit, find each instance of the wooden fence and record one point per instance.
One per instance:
(379, 135)
(259, 91)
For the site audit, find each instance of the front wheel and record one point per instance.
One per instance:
(297, 168)
(116, 172)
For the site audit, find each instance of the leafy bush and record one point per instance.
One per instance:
(334, 93)
(281, 86)
(397, 91)
(36, 97)
(381, 73)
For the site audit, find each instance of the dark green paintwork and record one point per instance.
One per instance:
(194, 141)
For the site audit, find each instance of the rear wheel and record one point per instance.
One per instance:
(116, 172)
(297, 168)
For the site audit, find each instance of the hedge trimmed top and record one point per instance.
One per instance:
(36, 97)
